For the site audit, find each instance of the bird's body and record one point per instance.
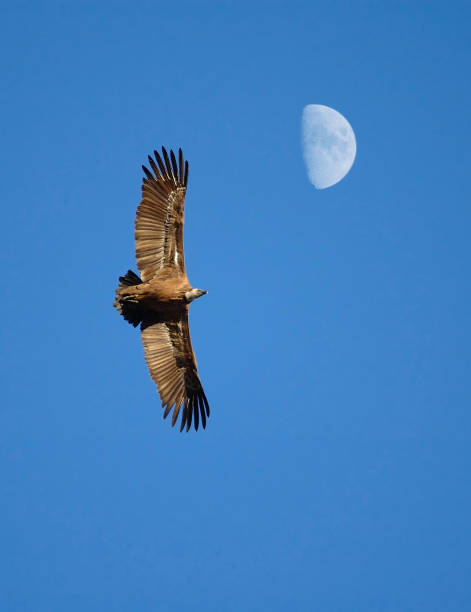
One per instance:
(159, 301)
(159, 294)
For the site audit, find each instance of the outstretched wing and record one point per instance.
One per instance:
(160, 215)
(172, 366)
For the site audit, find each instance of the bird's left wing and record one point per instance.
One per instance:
(172, 366)
(160, 215)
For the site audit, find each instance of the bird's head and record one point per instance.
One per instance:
(193, 294)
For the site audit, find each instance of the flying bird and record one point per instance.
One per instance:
(159, 300)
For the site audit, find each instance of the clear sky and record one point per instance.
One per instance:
(333, 343)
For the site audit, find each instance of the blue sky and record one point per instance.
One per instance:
(333, 343)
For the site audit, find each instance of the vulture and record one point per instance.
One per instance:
(159, 300)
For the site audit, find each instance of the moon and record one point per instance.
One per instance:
(329, 145)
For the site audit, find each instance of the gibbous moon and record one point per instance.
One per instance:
(329, 145)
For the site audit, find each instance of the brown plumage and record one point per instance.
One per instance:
(159, 301)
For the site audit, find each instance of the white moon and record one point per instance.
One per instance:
(329, 145)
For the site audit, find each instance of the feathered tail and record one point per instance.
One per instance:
(123, 304)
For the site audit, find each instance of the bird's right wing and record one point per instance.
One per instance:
(172, 366)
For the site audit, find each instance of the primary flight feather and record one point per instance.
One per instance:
(159, 301)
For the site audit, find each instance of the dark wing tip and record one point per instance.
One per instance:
(161, 165)
(195, 410)
(168, 165)
(180, 167)
(196, 415)
(185, 180)
(174, 166)
(189, 416)
(203, 396)
(202, 411)
(167, 411)
(154, 167)
(147, 173)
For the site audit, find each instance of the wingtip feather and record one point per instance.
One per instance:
(147, 172)
(185, 180)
